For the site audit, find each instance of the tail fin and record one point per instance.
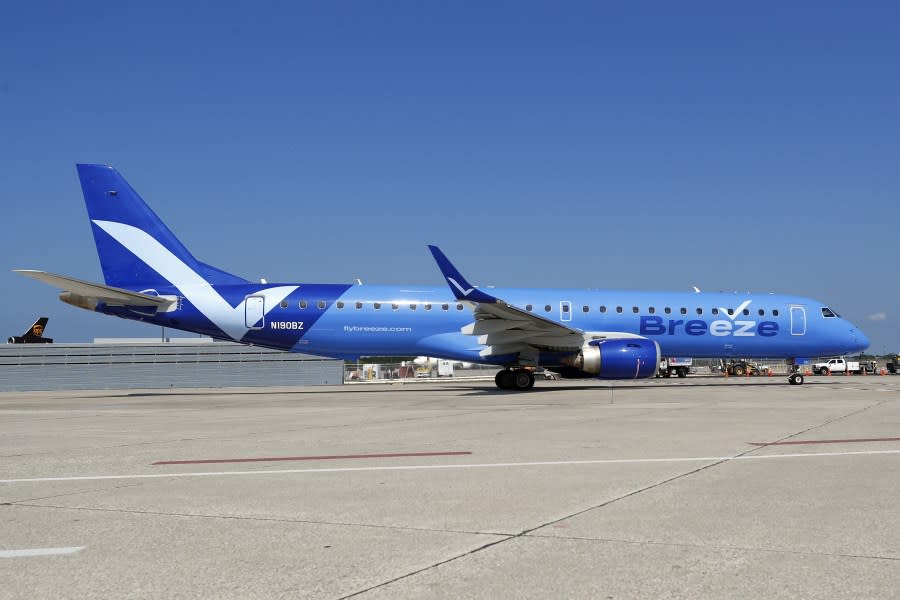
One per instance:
(37, 329)
(135, 247)
(34, 334)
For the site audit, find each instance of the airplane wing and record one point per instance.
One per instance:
(112, 296)
(502, 327)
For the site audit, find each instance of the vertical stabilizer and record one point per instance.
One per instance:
(132, 242)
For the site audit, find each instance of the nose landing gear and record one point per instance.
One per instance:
(519, 380)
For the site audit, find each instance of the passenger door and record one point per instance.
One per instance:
(255, 312)
(798, 319)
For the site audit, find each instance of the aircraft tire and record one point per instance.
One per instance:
(523, 380)
(796, 379)
(504, 379)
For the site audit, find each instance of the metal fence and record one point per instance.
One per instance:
(25, 367)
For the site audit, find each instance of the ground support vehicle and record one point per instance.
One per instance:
(739, 368)
(842, 366)
(674, 366)
(893, 364)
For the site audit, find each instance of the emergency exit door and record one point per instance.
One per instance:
(255, 312)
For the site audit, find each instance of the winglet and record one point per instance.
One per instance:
(458, 284)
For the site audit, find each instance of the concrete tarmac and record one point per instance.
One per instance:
(687, 488)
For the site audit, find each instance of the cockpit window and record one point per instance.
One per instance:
(828, 313)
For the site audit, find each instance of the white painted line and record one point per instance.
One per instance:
(40, 552)
(547, 463)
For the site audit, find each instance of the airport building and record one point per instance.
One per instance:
(141, 363)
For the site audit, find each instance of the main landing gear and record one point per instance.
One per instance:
(519, 380)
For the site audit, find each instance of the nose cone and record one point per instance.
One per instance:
(858, 340)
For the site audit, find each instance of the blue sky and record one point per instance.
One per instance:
(626, 145)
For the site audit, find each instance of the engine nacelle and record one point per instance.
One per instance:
(624, 358)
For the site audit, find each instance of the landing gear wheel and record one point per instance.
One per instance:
(523, 380)
(504, 379)
(519, 380)
(795, 379)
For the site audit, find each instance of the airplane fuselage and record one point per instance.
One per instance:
(350, 321)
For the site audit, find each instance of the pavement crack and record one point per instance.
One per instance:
(715, 547)
(27, 504)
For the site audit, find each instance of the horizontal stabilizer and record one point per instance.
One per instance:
(94, 291)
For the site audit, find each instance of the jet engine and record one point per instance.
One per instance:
(621, 358)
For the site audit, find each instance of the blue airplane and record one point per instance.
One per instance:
(608, 334)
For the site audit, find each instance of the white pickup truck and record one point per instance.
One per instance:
(839, 365)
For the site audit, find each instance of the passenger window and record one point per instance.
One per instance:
(775, 312)
(715, 311)
(585, 308)
(459, 307)
(377, 305)
(699, 311)
(358, 305)
(445, 307)
(394, 306)
(528, 307)
(546, 308)
(634, 309)
(428, 307)
(730, 312)
(667, 310)
(284, 304)
(762, 313)
(618, 309)
(603, 309)
(565, 308)
(651, 310)
(683, 310)
(340, 305)
(321, 304)
(303, 304)
(412, 307)
(746, 312)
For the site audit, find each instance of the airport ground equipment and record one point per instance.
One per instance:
(893, 364)
(741, 367)
(841, 365)
(674, 365)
